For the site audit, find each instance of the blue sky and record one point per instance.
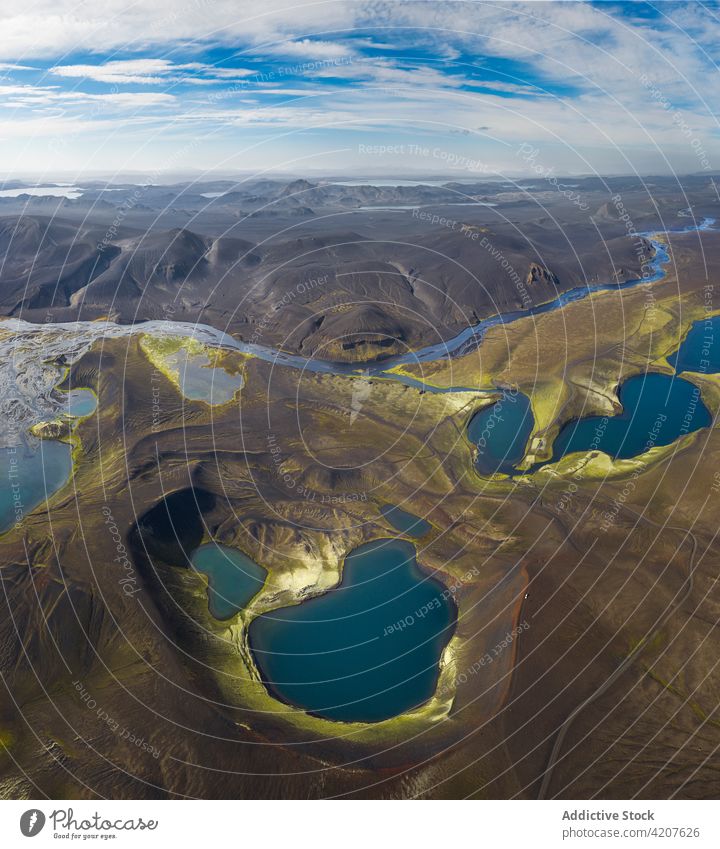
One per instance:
(348, 86)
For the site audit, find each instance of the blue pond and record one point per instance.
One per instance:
(30, 476)
(201, 382)
(35, 472)
(368, 649)
(233, 578)
(501, 432)
(700, 350)
(406, 523)
(657, 409)
(80, 402)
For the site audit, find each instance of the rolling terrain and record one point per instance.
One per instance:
(582, 662)
(366, 272)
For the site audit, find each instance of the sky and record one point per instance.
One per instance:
(357, 87)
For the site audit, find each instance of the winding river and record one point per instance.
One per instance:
(29, 354)
(27, 350)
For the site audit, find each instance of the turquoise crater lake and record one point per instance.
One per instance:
(500, 433)
(405, 522)
(34, 470)
(233, 578)
(657, 410)
(32, 475)
(700, 350)
(365, 651)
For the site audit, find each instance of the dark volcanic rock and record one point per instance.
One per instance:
(354, 285)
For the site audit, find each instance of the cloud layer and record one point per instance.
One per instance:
(607, 87)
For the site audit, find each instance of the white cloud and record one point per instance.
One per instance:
(57, 27)
(39, 96)
(225, 73)
(592, 55)
(308, 48)
(9, 66)
(123, 71)
(147, 72)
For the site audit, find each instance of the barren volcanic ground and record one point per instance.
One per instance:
(582, 660)
(338, 272)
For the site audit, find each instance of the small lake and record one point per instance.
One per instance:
(700, 350)
(31, 472)
(368, 649)
(233, 578)
(657, 410)
(30, 476)
(406, 207)
(406, 523)
(500, 432)
(200, 381)
(59, 191)
(79, 402)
